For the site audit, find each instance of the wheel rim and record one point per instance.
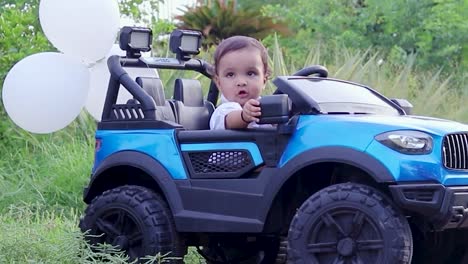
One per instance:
(120, 228)
(345, 235)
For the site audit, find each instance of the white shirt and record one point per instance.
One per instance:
(218, 117)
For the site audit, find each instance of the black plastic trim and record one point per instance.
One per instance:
(142, 124)
(207, 136)
(320, 70)
(343, 155)
(275, 109)
(448, 208)
(458, 206)
(223, 205)
(120, 76)
(213, 93)
(145, 163)
(432, 208)
(301, 102)
(271, 142)
(197, 65)
(242, 205)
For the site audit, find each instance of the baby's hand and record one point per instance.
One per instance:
(251, 111)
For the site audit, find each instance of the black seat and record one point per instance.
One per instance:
(192, 111)
(154, 87)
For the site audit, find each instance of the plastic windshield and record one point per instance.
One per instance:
(336, 97)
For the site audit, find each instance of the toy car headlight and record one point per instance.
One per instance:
(185, 42)
(407, 141)
(135, 40)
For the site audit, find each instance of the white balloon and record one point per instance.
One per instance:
(99, 82)
(45, 92)
(82, 28)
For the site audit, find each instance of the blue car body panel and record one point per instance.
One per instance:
(161, 145)
(355, 132)
(358, 131)
(158, 143)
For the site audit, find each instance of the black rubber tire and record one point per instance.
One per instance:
(136, 220)
(349, 223)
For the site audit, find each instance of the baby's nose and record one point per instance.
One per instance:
(241, 82)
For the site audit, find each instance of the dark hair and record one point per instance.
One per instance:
(240, 42)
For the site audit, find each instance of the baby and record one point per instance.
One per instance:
(241, 71)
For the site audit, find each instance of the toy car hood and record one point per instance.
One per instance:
(387, 123)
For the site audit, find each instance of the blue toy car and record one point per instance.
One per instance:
(344, 176)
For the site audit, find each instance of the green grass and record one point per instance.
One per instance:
(32, 235)
(42, 177)
(49, 169)
(41, 185)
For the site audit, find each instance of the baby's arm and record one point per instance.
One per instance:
(241, 118)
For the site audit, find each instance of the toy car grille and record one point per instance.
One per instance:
(219, 161)
(455, 151)
(127, 112)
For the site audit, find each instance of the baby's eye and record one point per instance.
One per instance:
(229, 74)
(251, 73)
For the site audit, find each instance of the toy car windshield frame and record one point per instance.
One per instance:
(304, 101)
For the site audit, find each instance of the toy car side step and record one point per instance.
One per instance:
(188, 221)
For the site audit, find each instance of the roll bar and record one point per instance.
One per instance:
(119, 76)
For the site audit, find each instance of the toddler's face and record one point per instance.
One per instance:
(241, 75)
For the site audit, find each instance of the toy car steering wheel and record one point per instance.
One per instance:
(319, 70)
(314, 69)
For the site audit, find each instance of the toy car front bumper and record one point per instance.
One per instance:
(444, 207)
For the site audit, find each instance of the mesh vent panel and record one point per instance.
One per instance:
(219, 161)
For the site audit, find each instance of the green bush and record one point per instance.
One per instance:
(220, 19)
(42, 176)
(436, 30)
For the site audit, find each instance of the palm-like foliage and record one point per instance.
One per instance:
(222, 19)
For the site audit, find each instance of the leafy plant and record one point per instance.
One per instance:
(222, 19)
(436, 30)
(144, 11)
(42, 179)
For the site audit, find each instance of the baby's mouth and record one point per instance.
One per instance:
(242, 93)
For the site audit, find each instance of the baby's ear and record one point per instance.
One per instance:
(216, 80)
(266, 76)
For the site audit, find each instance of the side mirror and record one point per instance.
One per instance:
(403, 104)
(275, 109)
